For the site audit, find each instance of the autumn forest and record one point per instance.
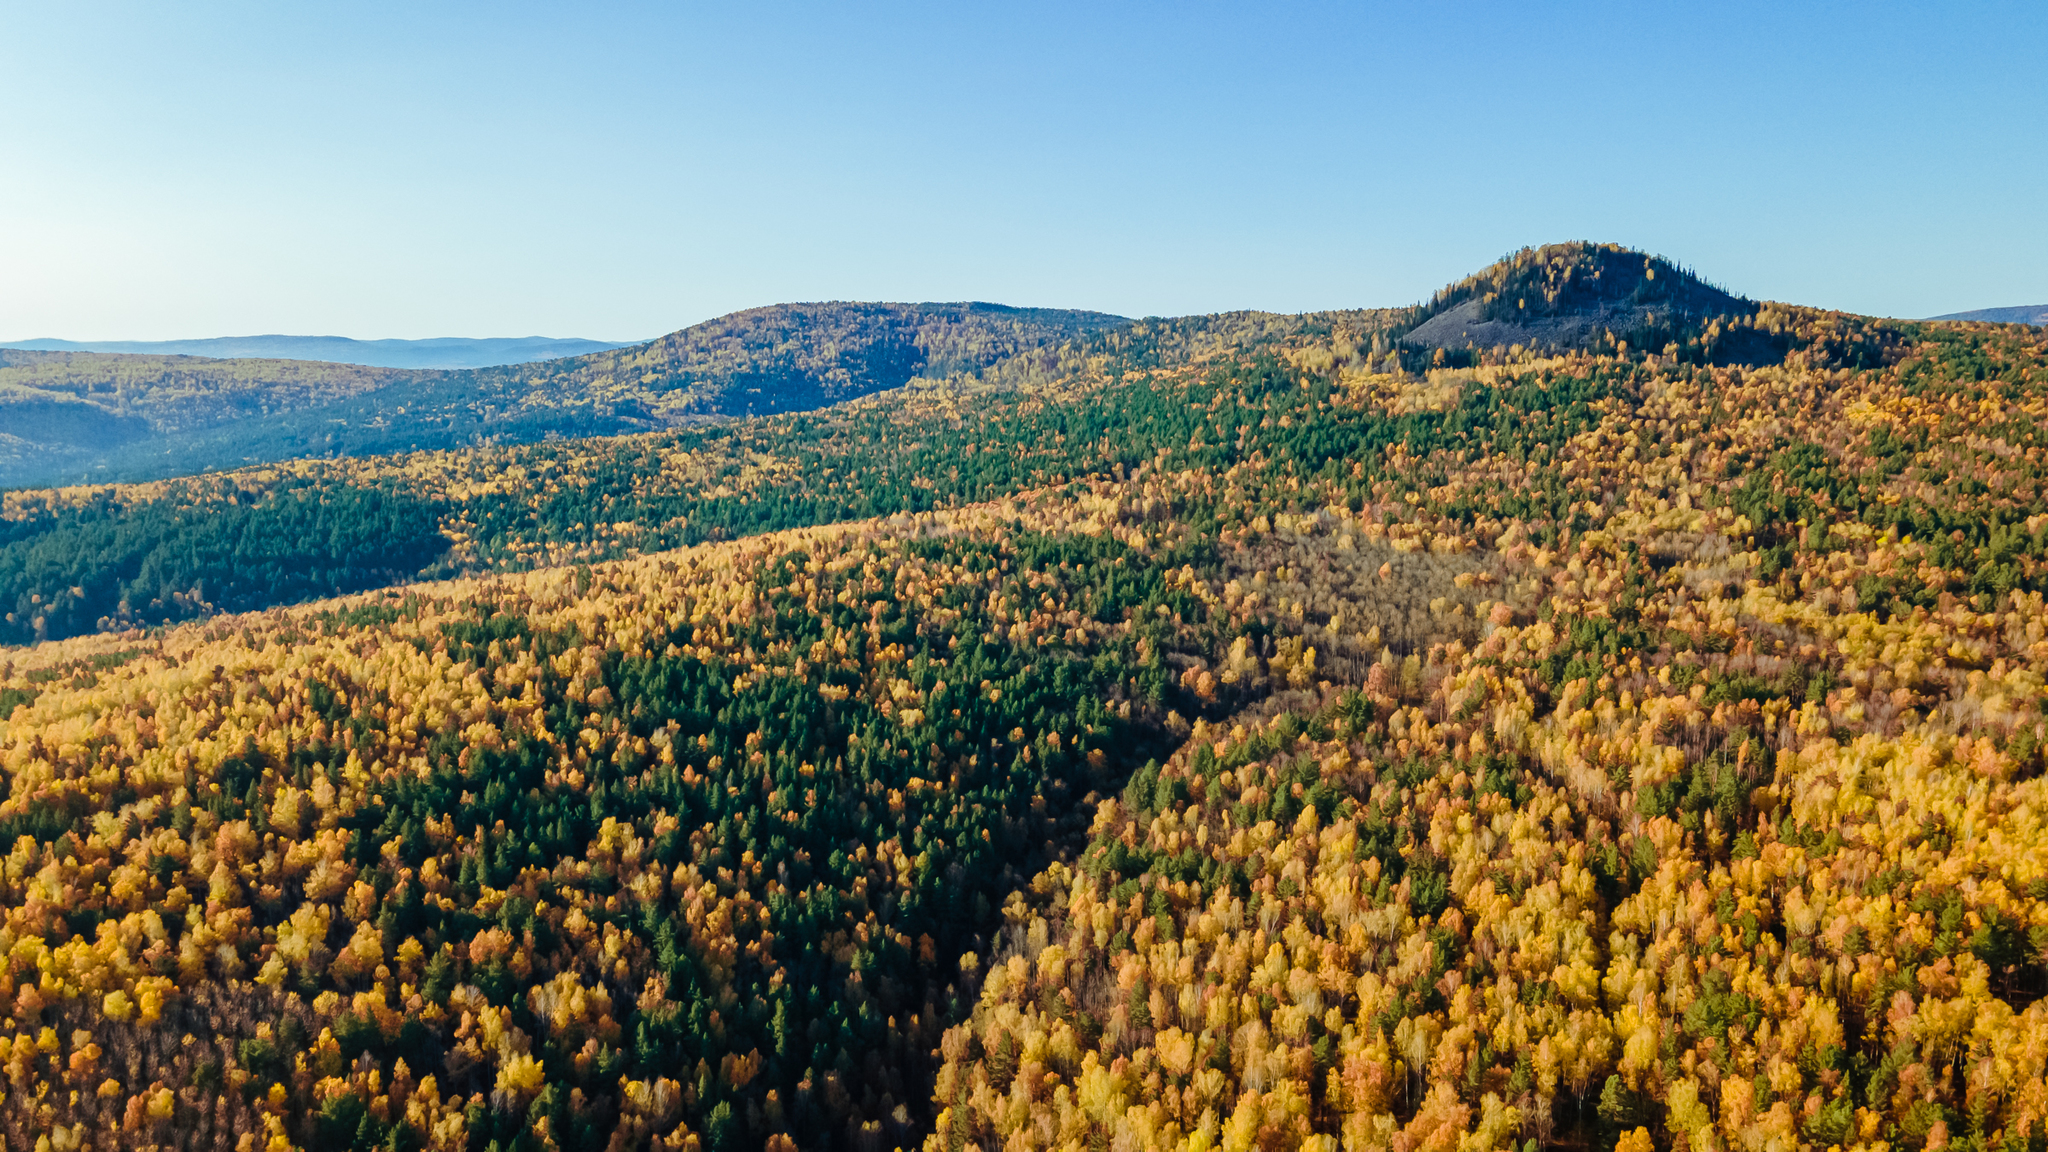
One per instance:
(1590, 710)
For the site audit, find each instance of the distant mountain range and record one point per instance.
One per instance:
(2023, 314)
(69, 416)
(441, 352)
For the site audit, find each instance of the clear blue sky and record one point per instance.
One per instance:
(618, 171)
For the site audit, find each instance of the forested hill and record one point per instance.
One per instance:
(1002, 416)
(792, 357)
(1255, 737)
(76, 560)
(81, 416)
(66, 415)
(1581, 296)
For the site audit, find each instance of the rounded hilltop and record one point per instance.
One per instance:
(1571, 295)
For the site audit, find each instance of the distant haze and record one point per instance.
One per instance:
(2023, 314)
(441, 352)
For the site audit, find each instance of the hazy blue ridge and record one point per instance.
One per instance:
(439, 352)
(2022, 314)
(780, 358)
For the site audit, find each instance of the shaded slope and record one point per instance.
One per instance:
(64, 415)
(791, 357)
(173, 394)
(1576, 295)
(784, 358)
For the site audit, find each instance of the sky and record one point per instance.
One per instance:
(616, 171)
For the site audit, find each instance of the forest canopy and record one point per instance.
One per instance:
(1240, 732)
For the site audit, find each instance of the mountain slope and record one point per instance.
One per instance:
(792, 357)
(2024, 314)
(174, 394)
(1577, 295)
(109, 557)
(797, 357)
(63, 415)
(1052, 414)
(783, 358)
(1600, 751)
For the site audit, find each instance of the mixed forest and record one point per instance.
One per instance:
(80, 417)
(62, 414)
(1222, 733)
